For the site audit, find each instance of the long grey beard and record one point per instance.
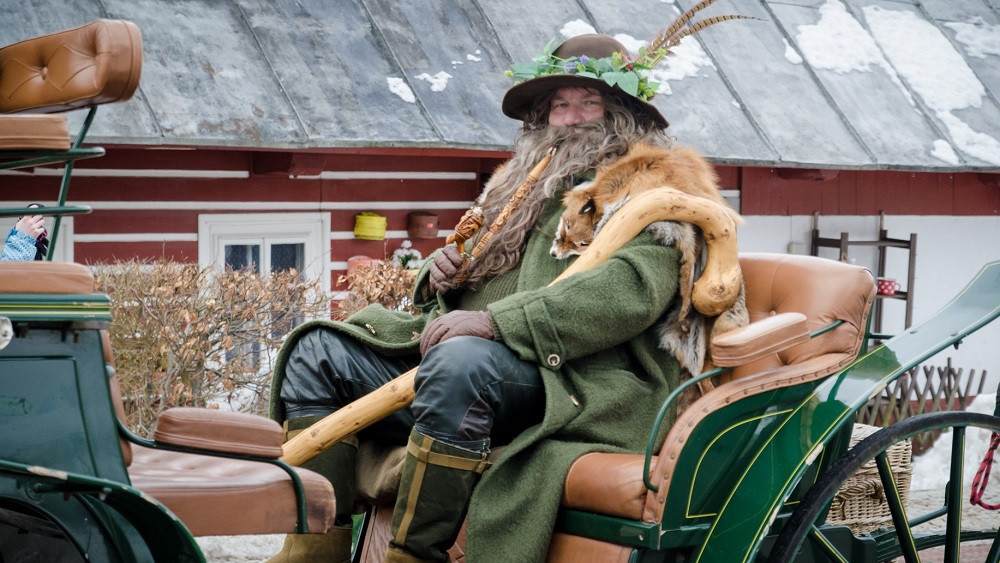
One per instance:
(581, 148)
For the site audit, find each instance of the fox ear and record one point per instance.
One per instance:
(588, 207)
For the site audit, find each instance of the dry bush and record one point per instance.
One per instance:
(381, 282)
(184, 335)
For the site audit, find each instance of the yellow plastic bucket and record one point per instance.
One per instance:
(369, 226)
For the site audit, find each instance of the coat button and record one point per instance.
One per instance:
(370, 328)
(553, 360)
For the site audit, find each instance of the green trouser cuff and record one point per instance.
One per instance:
(433, 496)
(338, 464)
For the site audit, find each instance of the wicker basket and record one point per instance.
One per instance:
(860, 503)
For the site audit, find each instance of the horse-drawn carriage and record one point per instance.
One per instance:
(747, 472)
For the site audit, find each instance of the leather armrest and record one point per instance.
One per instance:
(220, 431)
(759, 339)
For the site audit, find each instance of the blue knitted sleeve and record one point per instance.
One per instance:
(19, 247)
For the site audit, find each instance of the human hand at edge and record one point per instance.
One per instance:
(456, 323)
(446, 264)
(31, 225)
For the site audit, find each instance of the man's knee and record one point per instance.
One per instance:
(309, 387)
(463, 361)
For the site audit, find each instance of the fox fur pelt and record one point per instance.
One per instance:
(685, 332)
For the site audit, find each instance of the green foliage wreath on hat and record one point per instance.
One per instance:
(631, 76)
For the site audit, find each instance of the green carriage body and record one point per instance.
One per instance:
(62, 465)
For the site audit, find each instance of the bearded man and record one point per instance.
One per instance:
(550, 372)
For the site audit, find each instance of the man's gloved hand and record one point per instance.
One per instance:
(444, 267)
(456, 323)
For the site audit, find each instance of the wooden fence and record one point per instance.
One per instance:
(940, 389)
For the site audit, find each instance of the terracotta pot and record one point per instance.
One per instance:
(360, 260)
(421, 224)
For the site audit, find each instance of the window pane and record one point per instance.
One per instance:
(288, 256)
(243, 257)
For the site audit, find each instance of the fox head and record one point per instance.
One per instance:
(576, 226)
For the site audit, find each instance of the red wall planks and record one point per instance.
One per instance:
(104, 252)
(867, 192)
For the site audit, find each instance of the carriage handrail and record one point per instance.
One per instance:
(661, 415)
(51, 211)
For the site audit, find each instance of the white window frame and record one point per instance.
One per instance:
(215, 230)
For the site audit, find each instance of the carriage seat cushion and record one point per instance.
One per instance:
(608, 484)
(223, 496)
(95, 63)
(221, 431)
(218, 496)
(64, 278)
(34, 132)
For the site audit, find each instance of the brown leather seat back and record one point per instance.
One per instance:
(823, 290)
(95, 63)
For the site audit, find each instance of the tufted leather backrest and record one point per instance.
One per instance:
(92, 64)
(821, 289)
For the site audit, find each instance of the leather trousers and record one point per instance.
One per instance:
(471, 392)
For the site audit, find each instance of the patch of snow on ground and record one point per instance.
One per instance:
(930, 469)
(240, 549)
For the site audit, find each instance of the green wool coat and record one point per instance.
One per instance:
(594, 336)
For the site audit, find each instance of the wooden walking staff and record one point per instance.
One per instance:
(719, 283)
(399, 392)
(470, 223)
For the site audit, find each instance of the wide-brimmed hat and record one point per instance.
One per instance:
(579, 61)
(601, 62)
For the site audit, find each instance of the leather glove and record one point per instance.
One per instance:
(456, 323)
(446, 264)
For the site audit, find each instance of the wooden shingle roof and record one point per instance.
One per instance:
(855, 84)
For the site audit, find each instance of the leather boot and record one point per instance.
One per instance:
(332, 547)
(433, 496)
(337, 464)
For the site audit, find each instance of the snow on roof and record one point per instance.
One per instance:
(857, 84)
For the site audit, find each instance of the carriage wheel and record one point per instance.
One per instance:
(906, 537)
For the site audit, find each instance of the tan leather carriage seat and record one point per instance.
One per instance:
(824, 291)
(92, 64)
(210, 495)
